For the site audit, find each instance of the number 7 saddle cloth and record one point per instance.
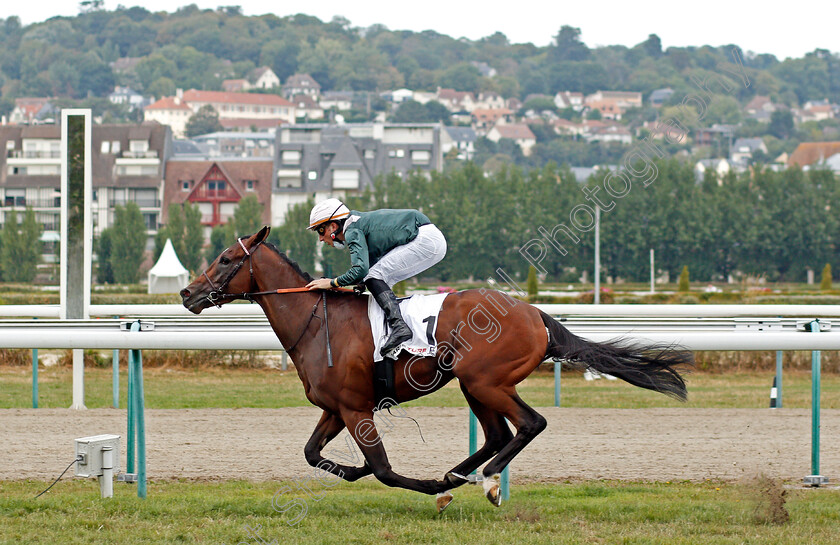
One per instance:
(420, 312)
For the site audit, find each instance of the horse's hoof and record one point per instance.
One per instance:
(492, 489)
(443, 500)
(456, 479)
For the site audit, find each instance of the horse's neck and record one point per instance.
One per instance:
(288, 313)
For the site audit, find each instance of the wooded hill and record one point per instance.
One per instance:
(193, 48)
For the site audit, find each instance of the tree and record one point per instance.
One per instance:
(781, 124)
(533, 287)
(104, 272)
(193, 237)
(204, 121)
(20, 250)
(825, 281)
(247, 219)
(684, 283)
(295, 241)
(128, 246)
(567, 46)
(221, 236)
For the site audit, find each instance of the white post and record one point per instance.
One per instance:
(76, 242)
(652, 273)
(106, 480)
(597, 299)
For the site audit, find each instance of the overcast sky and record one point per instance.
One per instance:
(785, 30)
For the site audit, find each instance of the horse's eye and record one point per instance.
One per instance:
(224, 261)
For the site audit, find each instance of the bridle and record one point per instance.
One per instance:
(216, 294)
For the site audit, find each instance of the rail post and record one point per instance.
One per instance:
(136, 448)
(815, 479)
(505, 478)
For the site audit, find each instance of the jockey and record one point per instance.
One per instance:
(386, 246)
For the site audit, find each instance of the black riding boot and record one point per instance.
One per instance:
(386, 299)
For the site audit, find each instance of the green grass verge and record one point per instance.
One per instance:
(170, 388)
(370, 513)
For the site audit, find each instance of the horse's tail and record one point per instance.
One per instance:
(648, 366)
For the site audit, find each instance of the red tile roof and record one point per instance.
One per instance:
(168, 103)
(235, 98)
(808, 153)
(515, 131)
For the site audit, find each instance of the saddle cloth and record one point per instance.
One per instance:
(420, 312)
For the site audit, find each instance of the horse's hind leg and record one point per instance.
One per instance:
(497, 434)
(528, 423)
(328, 427)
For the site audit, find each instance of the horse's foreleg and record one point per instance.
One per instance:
(328, 427)
(363, 430)
(497, 434)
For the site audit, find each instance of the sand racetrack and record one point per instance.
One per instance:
(267, 444)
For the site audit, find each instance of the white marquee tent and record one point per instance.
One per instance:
(168, 275)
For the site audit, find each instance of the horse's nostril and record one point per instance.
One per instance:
(185, 293)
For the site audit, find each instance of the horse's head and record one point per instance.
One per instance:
(230, 273)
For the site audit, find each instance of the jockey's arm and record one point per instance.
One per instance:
(359, 260)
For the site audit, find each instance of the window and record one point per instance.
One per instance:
(17, 170)
(115, 147)
(10, 144)
(400, 153)
(370, 154)
(249, 185)
(288, 178)
(15, 197)
(138, 145)
(291, 157)
(312, 175)
(185, 185)
(150, 219)
(345, 179)
(420, 157)
(106, 147)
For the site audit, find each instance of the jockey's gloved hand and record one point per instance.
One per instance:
(359, 288)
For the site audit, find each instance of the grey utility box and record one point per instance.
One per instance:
(90, 449)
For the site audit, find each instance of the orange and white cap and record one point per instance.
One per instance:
(328, 210)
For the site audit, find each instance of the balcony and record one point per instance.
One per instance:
(23, 202)
(18, 154)
(150, 154)
(142, 202)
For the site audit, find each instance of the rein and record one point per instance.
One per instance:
(217, 294)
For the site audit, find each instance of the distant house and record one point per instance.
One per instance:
(568, 99)
(456, 101)
(236, 110)
(306, 108)
(621, 99)
(398, 96)
(484, 69)
(235, 85)
(129, 97)
(170, 111)
(217, 186)
(518, 132)
(658, 97)
(461, 139)
(720, 166)
(229, 145)
(743, 149)
(714, 135)
(483, 120)
(337, 100)
(263, 78)
(301, 84)
(810, 153)
(760, 108)
(565, 127)
(610, 133)
(32, 110)
(490, 100)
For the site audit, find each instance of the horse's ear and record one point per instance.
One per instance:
(261, 236)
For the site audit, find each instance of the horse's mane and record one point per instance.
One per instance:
(306, 276)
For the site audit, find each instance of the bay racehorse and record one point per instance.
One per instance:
(487, 340)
